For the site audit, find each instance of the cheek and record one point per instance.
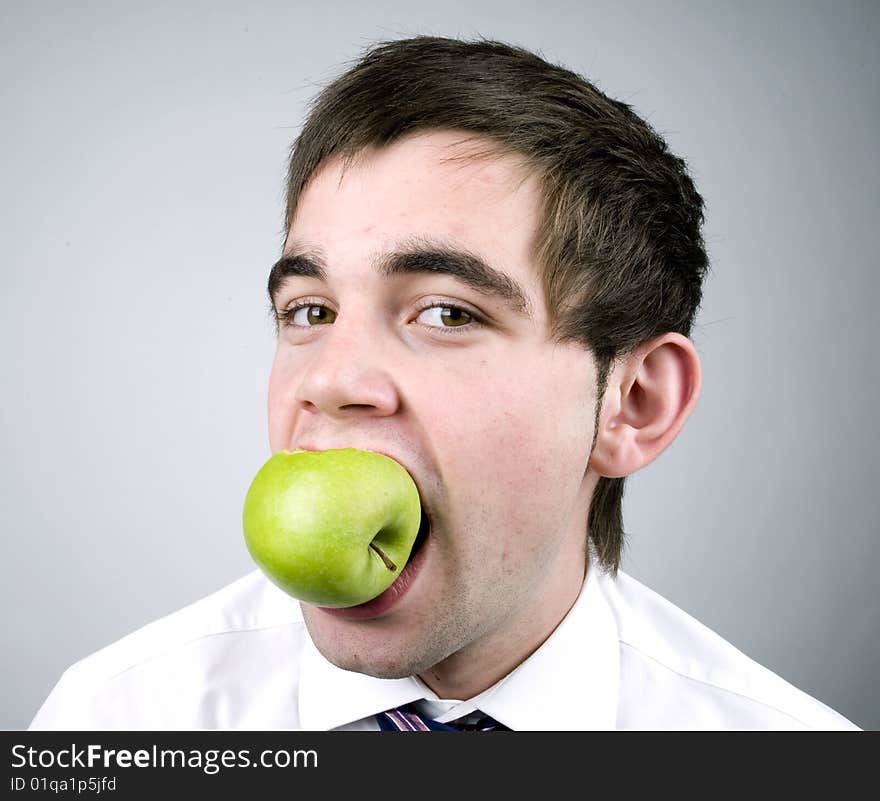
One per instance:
(517, 446)
(280, 406)
(530, 410)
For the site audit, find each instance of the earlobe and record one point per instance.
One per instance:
(649, 398)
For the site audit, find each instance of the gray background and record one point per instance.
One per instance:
(142, 158)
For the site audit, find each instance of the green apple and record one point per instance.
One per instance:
(332, 528)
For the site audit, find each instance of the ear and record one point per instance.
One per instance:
(649, 397)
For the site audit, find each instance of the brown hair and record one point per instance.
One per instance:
(618, 245)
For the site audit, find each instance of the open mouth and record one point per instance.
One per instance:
(424, 530)
(384, 602)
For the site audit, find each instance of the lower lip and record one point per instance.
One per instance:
(388, 599)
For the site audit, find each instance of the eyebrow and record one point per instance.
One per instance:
(416, 257)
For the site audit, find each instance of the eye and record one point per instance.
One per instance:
(446, 316)
(303, 315)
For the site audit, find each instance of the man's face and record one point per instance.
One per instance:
(424, 335)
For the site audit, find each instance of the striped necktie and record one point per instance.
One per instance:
(405, 718)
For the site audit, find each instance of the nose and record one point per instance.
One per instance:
(348, 373)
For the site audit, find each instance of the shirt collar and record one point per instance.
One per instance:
(330, 696)
(570, 683)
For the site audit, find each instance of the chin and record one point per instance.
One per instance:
(371, 653)
(374, 669)
(379, 666)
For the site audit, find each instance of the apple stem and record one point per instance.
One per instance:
(388, 563)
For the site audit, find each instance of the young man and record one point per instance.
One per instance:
(490, 274)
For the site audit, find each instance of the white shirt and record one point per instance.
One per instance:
(242, 658)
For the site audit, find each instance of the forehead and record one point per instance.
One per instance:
(440, 185)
